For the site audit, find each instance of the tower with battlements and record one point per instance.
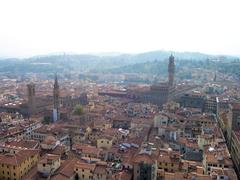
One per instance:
(31, 98)
(56, 114)
(171, 70)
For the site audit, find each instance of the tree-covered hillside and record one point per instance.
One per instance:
(149, 62)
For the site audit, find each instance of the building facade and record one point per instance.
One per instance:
(158, 93)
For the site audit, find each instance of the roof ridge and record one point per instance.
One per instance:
(67, 165)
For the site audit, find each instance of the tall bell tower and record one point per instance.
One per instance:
(31, 98)
(56, 113)
(171, 70)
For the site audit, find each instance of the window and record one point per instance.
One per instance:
(83, 176)
(44, 165)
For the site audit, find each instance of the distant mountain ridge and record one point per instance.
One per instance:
(92, 62)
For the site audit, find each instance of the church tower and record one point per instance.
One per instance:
(31, 98)
(55, 99)
(171, 71)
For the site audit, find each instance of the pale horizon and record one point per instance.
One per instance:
(31, 28)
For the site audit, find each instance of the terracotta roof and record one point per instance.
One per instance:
(124, 175)
(169, 156)
(60, 177)
(49, 140)
(143, 158)
(48, 157)
(82, 165)
(17, 158)
(86, 149)
(100, 169)
(30, 144)
(59, 150)
(67, 168)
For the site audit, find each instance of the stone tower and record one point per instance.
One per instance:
(55, 99)
(31, 98)
(171, 71)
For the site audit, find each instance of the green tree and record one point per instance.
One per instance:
(46, 120)
(78, 110)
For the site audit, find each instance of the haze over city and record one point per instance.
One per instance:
(30, 28)
(119, 90)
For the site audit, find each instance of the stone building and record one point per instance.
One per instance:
(158, 93)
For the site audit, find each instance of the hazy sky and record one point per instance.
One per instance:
(33, 27)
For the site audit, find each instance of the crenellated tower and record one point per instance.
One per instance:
(56, 99)
(171, 70)
(31, 98)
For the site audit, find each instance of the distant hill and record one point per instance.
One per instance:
(113, 62)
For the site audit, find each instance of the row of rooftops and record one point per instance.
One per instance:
(106, 110)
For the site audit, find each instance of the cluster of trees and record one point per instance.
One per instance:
(78, 110)
(160, 67)
(151, 62)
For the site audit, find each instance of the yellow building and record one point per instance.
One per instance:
(88, 171)
(100, 171)
(15, 165)
(205, 139)
(49, 164)
(105, 142)
(78, 138)
(86, 150)
(169, 161)
(85, 170)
